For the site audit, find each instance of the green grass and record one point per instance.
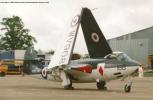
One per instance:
(148, 74)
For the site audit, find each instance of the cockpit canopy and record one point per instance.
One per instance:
(119, 56)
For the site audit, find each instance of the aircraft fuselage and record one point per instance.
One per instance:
(92, 70)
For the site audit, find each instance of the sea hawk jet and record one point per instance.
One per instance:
(103, 64)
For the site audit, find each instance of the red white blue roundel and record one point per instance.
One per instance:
(75, 20)
(95, 37)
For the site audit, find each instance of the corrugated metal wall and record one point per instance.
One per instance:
(139, 44)
(136, 49)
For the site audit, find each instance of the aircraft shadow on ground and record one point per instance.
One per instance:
(46, 88)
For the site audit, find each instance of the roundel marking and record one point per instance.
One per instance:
(44, 72)
(95, 37)
(75, 20)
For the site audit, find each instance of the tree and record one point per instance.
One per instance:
(15, 36)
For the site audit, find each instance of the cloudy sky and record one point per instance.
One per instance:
(49, 22)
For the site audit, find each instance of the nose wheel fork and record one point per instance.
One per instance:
(127, 87)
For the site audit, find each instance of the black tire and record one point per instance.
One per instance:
(127, 88)
(68, 87)
(44, 77)
(101, 85)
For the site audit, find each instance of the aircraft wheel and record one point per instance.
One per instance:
(101, 85)
(68, 87)
(127, 88)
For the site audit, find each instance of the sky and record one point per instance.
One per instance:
(49, 22)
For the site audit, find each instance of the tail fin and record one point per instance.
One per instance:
(95, 40)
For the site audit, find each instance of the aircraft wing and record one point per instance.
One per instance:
(64, 50)
(95, 40)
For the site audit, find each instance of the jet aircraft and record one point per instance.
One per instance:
(102, 66)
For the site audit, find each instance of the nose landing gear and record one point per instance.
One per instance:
(127, 87)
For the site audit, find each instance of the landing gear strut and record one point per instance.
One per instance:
(127, 87)
(101, 85)
(66, 80)
(69, 87)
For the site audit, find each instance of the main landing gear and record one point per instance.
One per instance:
(66, 80)
(69, 87)
(127, 87)
(101, 85)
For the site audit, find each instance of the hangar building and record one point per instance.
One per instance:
(138, 45)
